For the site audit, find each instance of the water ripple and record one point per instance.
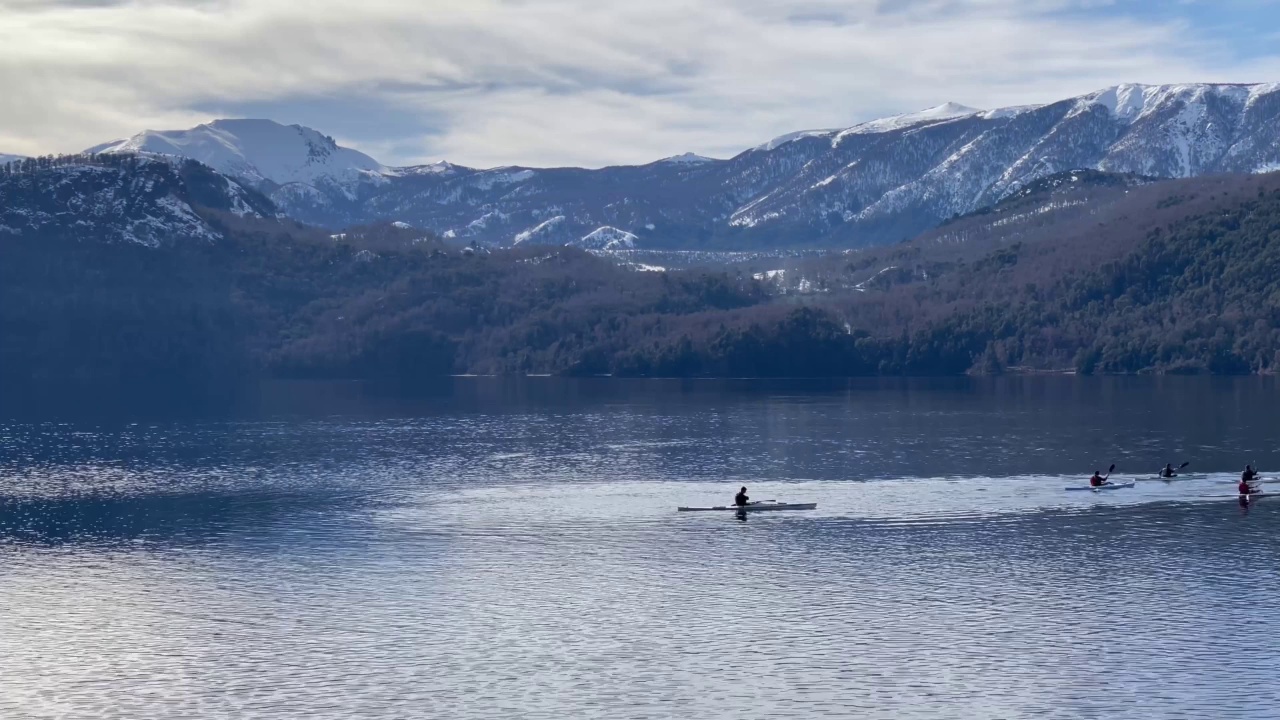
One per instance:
(531, 564)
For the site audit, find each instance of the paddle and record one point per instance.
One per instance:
(1106, 479)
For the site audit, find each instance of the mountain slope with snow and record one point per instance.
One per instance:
(606, 238)
(6, 159)
(135, 200)
(872, 183)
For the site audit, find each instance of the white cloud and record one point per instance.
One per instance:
(545, 82)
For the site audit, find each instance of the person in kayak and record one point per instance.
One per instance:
(1097, 480)
(741, 498)
(1247, 480)
(1168, 471)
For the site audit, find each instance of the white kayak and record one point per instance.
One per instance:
(1175, 478)
(753, 507)
(1252, 496)
(1109, 486)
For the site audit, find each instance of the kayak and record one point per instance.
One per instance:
(753, 507)
(1175, 478)
(1252, 496)
(1112, 486)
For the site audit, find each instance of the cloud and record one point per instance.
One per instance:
(591, 82)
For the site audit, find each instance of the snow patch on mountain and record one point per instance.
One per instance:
(781, 140)
(1124, 101)
(946, 111)
(538, 232)
(482, 222)
(1007, 112)
(606, 238)
(6, 159)
(488, 179)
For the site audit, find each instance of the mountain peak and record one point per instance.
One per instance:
(441, 168)
(258, 150)
(687, 159)
(948, 109)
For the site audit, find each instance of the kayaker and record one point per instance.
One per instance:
(1168, 471)
(1097, 480)
(741, 498)
(1245, 489)
(1248, 475)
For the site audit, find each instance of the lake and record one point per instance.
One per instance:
(499, 548)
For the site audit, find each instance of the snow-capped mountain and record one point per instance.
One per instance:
(121, 199)
(287, 159)
(875, 182)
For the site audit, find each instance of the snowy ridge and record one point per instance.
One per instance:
(911, 172)
(606, 238)
(876, 182)
(539, 232)
(781, 140)
(441, 168)
(946, 111)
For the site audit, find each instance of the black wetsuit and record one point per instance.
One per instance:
(740, 499)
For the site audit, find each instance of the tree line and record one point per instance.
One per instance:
(277, 299)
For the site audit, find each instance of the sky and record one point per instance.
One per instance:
(585, 82)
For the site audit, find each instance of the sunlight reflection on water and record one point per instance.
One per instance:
(531, 564)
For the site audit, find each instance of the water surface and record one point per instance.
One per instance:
(500, 549)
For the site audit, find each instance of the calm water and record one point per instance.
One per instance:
(497, 549)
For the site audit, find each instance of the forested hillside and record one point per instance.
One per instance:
(1113, 275)
(1169, 277)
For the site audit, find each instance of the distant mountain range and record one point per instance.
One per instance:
(875, 183)
(128, 267)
